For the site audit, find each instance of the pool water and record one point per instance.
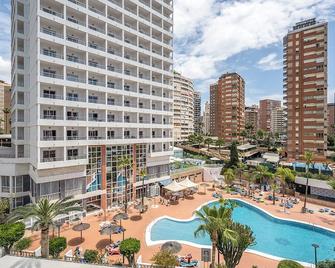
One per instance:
(280, 238)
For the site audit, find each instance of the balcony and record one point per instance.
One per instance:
(96, 46)
(75, 40)
(51, 96)
(77, 3)
(51, 32)
(75, 118)
(76, 157)
(51, 53)
(76, 21)
(51, 74)
(75, 138)
(97, 29)
(75, 59)
(52, 12)
(96, 138)
(95, 82)
(95, 10)
(74, 78)
(114, 69)
(51, 138)
(51, 117)
(51, 159)
(96, 64)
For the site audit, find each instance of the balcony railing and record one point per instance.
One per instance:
(96, 83)
(96, 11)
(76, 21)
(52, 75)
(52, 159)
(95, 138)
(76, 157)
(51, 53)
(77, 3)
(51, 117)
(97, 29)
(96, 46)
(75, 138)
(51, 138)
(75, 40)
(75, 118)
(75, 79)
(51, 32)
(75, 59)
(96, 64)
(52, 12)
(51, 96)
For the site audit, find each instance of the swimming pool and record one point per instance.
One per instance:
(276, 238)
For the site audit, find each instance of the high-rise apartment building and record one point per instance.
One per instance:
(227, 107)
(277, 121)
(264, 113)
(206, 119)
(305, 88)
(91, 83)
(183, 107)
(251, 119)
(331, 118)
(197, 112)
(5, 92)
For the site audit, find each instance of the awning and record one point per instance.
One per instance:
(175, 187)
(188, 184)
(165, 182)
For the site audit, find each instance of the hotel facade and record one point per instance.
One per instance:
(91, 83)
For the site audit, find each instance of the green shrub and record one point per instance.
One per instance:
(326, 264)
(129, 247)
(56, 246)
(289, 264)
(23, 244)
(10, 233)
(91, 256)
(165, 258)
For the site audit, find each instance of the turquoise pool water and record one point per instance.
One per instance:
(276, 237)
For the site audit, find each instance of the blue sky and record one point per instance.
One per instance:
(213, 37)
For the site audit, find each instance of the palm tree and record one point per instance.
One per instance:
(4, 209)
(220, 143)
(308, 157)
(262, 173)
(191, 139)
(284, 175)
(243, 134)
(260, 134)
(208, 141)
(214, 222)
(44, 212)
(199, 139)
(125, 164)
(241, 167)
(280, 151)
(6, 111)
(274, 187)
(143, 174)
(229, 176)
(250, 177)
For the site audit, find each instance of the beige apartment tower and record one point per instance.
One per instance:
(5, 91)
(227, 107)
(305, 89)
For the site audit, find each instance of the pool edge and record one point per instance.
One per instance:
(149, 242)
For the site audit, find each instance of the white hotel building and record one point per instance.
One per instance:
(92, 82)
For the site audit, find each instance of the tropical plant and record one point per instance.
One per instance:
(208, 141)
(199, 139)
(10, 233)
(285, 175)
(243, 134)
(260, 134)
(308, 157)
(56, 246)
(214, 221)
(220, 143)
(229, 176)
(125, 163)
(44, 212)
(234, 160)
(263, 174)
(91, 255)
(232, 250)
(280, 151)
(143, 174)
(241, 167)
(289, 264)
(129, 247)
(250, 177)
(4, 209)
(274, 187)
(165, 258)
(192, 139)
(326, 264)
(23, 244)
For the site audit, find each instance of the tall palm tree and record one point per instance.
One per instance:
(274, 187)
(208, 141)
(214, 221)
(143, 174)
(44, 212)
(241, 167)
(199, 139)
(191, 139)
(220, 143)
(285, 175)
(308, 157)
(250, 177)
(229, 176)
(124, 163)
(263, 174)
(6, 111)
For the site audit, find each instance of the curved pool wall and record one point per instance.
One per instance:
(276, 238)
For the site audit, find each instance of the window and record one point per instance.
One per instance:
(93, 134)
(111, 134)
(49, 73)
(72, 115)
(72, 134)
(49, 114)
(93, 116)
(5, 186)
(92, 99)
(127, 134)
(110, 101)
(51, 94)
(72, 96)
(49, 135)
(126, 118)
(49, 155)
(72, 154)
(111, 117)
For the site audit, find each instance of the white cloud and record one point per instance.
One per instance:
(270, 62)
(5, 69)
(237, 26)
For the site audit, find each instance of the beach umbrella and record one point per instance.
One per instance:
(80, 228)
(109, 230)
(58, 224)
(171, 246)
(120, 217)
(140, 207)
(205, 185)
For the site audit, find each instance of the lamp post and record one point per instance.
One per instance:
(315, 246)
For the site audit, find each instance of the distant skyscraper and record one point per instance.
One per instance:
(331, 118)
(277, 120)
(264, 113)
(206, 119)
(251, 118)
(305, 88)
(227, 107)
(5, 92)
(183, 108)
(197, 112)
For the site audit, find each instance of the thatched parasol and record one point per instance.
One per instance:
(171, 246)
(80, 228)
